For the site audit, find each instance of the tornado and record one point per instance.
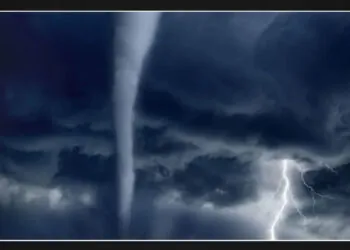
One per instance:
(135, 32)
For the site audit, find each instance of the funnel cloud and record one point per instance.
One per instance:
(134, 36)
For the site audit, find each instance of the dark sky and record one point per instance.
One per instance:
(223, 98)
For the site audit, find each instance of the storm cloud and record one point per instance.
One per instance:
(278, 90)
(222, 99)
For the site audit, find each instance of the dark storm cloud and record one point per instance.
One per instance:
(55, 79)
(188, 59)
(208, 87)
(167, 162)
(55, 84)
(154, 141)
(96, 169)
(334, 184)
(284, 94)
(55, 188)
(308, 52)
(273, 129)
(256, 86)
(38, 159)
(223, 181)
(220, 90)
(308, 48)
(61, 70)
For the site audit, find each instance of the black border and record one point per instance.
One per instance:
(108, 5)
(172, 244)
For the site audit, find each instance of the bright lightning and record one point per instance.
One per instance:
(287, 197)
(285, 194)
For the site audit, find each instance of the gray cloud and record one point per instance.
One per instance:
(249, 103)
(224, 97)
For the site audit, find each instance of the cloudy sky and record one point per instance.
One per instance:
(240, 119)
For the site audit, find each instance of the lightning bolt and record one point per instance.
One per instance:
(285, 194)
(288, 197)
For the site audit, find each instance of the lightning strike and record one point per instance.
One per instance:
(288, 197)
(285, 193)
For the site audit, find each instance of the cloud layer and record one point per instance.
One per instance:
(223, 98)
(276, 91)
